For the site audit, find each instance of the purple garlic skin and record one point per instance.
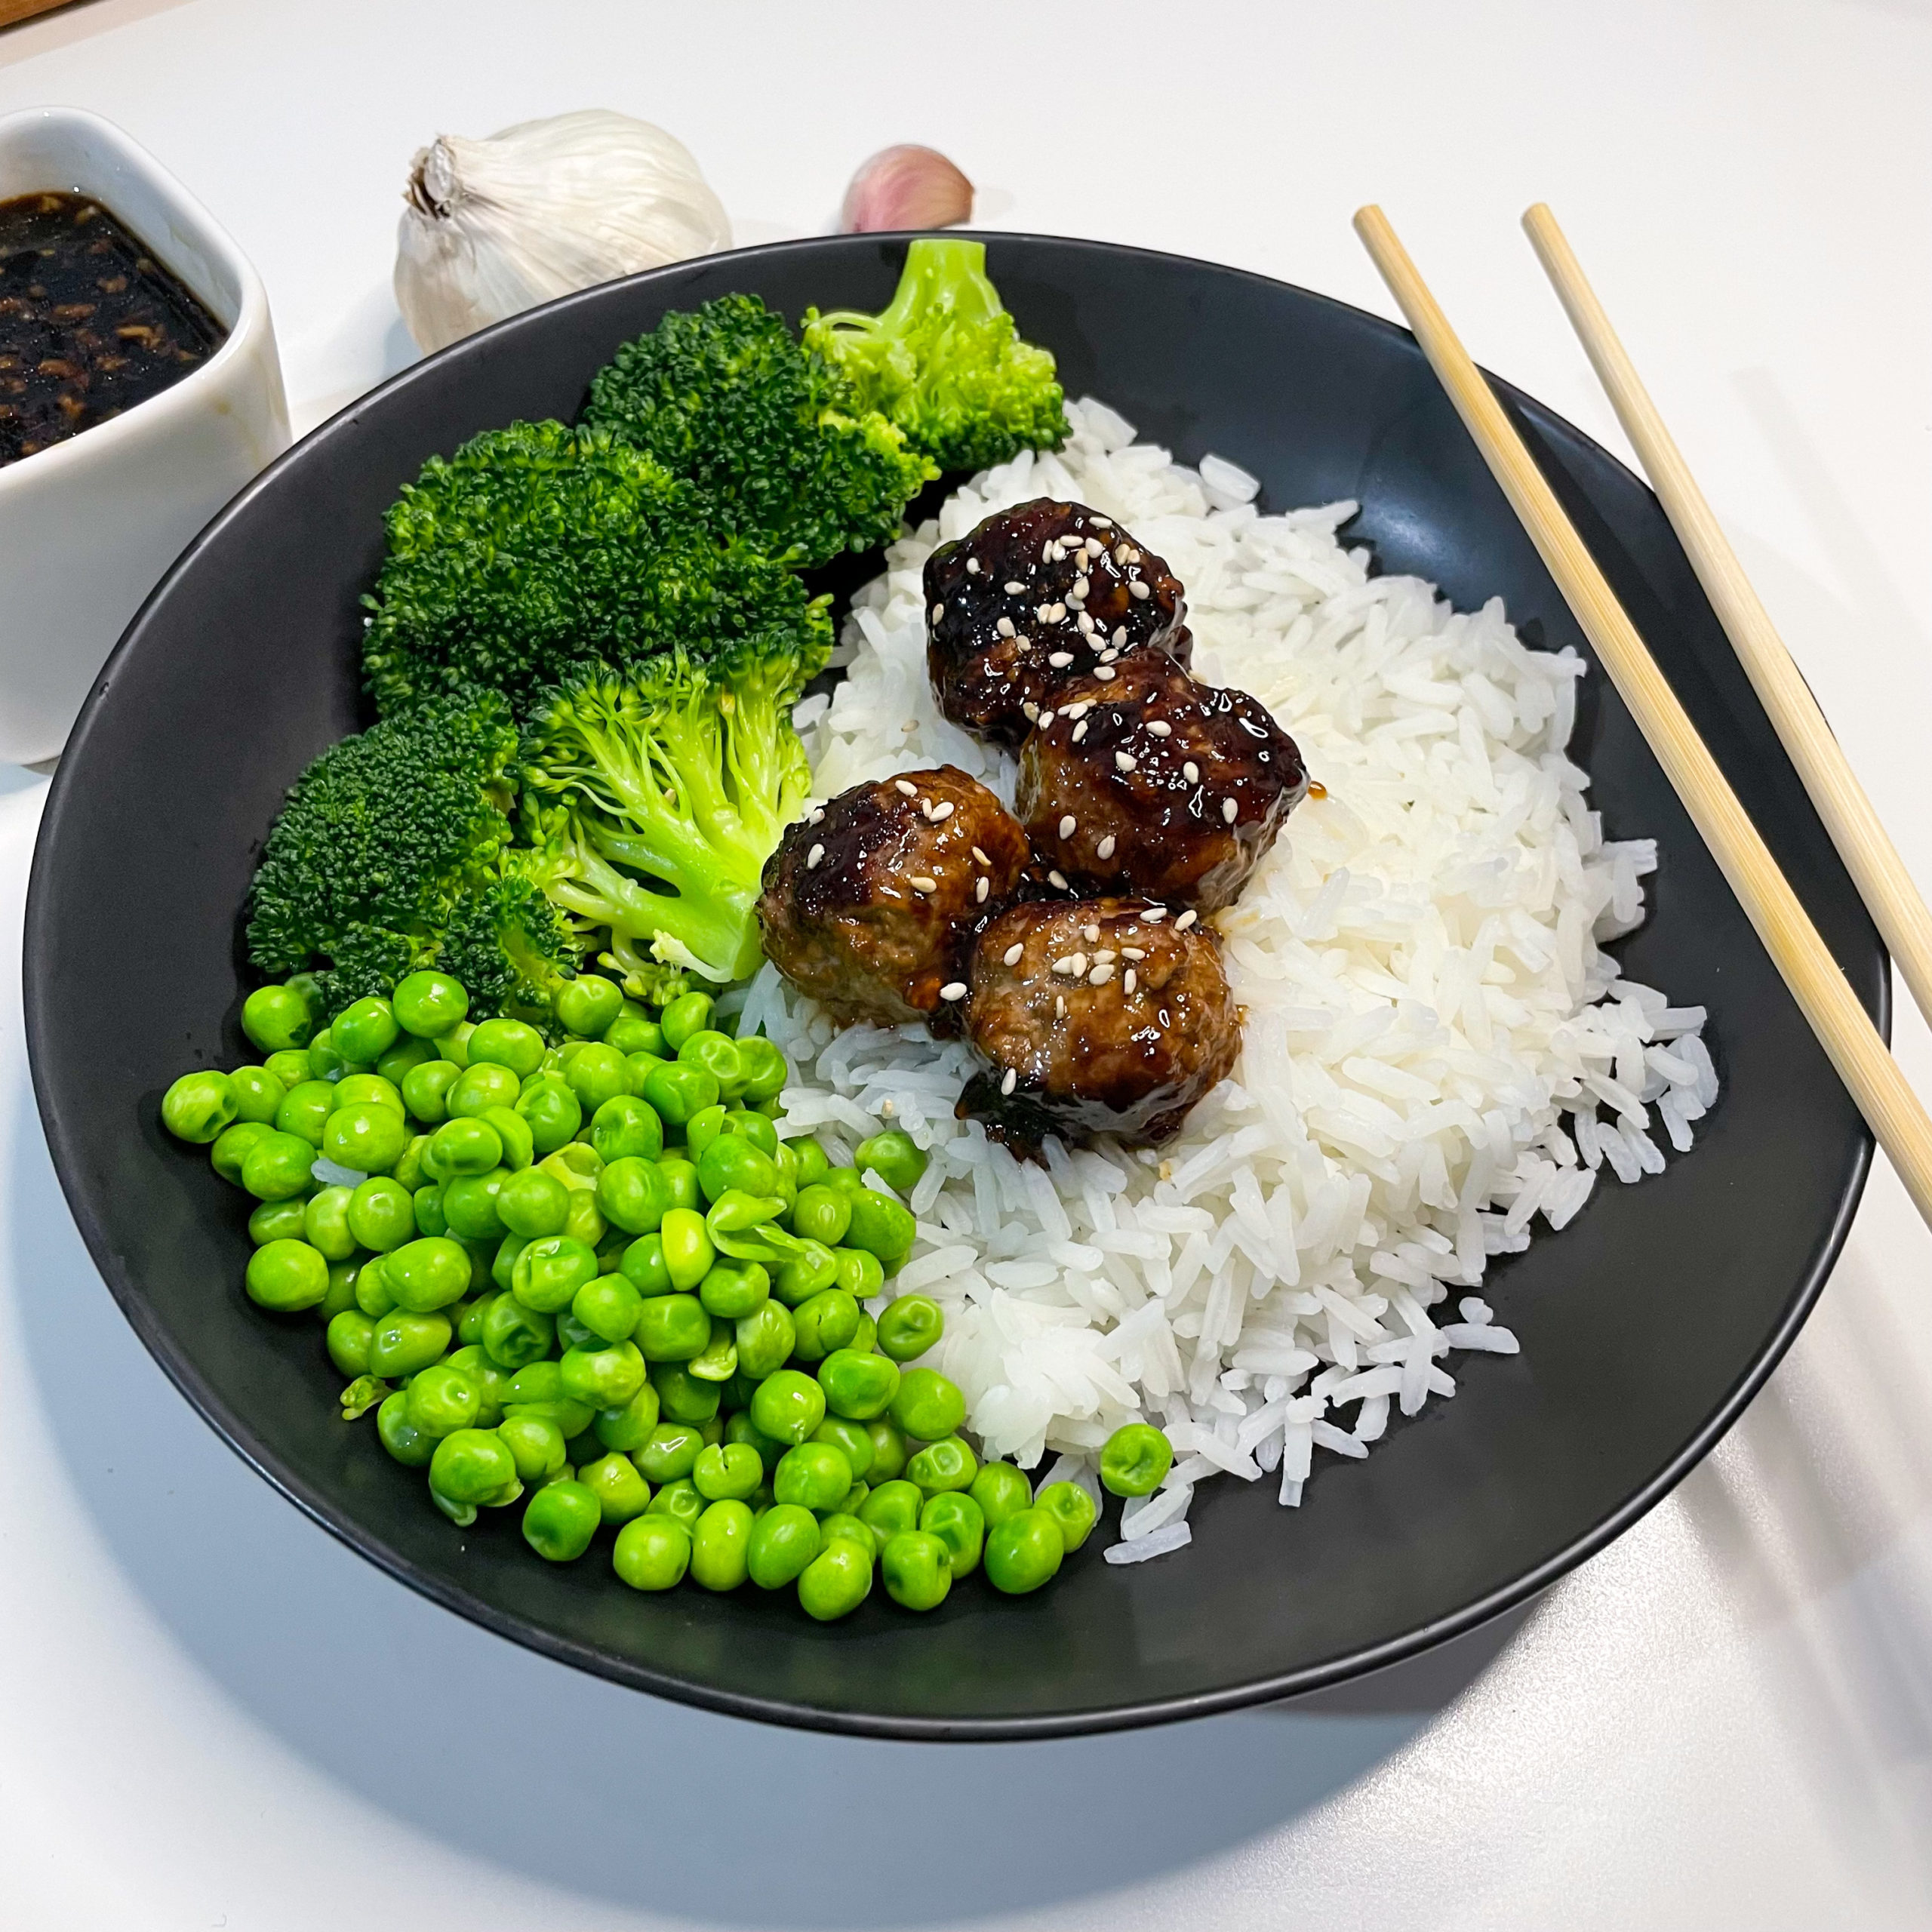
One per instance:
(906, 187)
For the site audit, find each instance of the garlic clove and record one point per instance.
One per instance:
(906, 187)
(490, 228)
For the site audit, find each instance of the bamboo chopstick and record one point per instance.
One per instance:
(1903, 918)
(1893, 1111)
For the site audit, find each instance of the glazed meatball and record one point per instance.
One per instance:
(1109, 1016)
(870, 904)
(1142, 780)
(1033, 597)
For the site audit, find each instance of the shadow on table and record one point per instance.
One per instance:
(575, 1783)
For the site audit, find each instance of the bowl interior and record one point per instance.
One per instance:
(1645, 1325)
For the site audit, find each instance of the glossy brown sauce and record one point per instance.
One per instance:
(90, 324)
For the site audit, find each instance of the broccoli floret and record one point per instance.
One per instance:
(657, 800)
(945, 362)
(776, 441)
(379, 840)
(510, 947)
(539, 552)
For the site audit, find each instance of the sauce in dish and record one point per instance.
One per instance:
(90, 324)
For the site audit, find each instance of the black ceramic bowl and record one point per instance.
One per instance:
(1646, 1326)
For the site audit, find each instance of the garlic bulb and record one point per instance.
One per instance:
(906, 187)
(491, 228)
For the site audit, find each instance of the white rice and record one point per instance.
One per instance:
(1436, 1056)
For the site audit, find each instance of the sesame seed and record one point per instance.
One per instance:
(1120, 556)
(1090, 934)
(1081, 709)
(1153, 915)
(957, 990)
(1057, 880)
(1015, 589)
(1031, 711)
(1100, 975)
(817, 817)
(941, 813)
(979, 858)
(928, 886)
(1059, 1007)
(1081, 587)
(1102, 522)
(1191, 772)
(972, 567)
(1186, 920)
(1109, 656)
(981, 887)
(1013, 954)
(1230, 811)
(1059, 659)
(1011, 1081)
(1120, 635)
(1043, 613)
(813, 857)
(1133, 952)
(1139, 591)
(1124, 761)
(939, 611)
(1105, 672)
(906, 785)
(1080, 730)
(1068, 825)
(1160, 727)
(1128, 981)
(1005, 629)
(1105, 959)
(1064, 965)
(1105, 850)
(1086, 625)
(1047, 716)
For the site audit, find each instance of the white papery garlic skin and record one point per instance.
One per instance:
(493, 227)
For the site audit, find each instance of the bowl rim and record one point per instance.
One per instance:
(208, 1400)
(104, 442)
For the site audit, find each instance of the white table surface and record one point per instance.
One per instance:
(212, 1716)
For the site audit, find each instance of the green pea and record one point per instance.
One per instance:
(426, 1205)
(686, 1397)
(731, 1162)
(826, 1321)
(492, 1381)
(764, 1069)
(836, 1581)
(814, 1475)
(560, 1520)
(864, 1342)
(258, 1094)
(1071, 1508)
(426, 1090)
(364, 1030)
(286, 1276)
(513, 1131)
(637, 1070)
(718, 1054)
(470, 1317)
(427, 1004)
(325, 1063)
(672, 1328)
(442, 1400)
(860, 1274)
(277, 1018)
(928, 1406)
(670, 1452)
(481, 1085)
(959, 1523)
(405, 1342)
(633, 1030)
(784, 1540)
(848, 1180)
(348, 1341)
(629, 1428)
(681, 1176)
(721, 1545)
(894, 1157)
(597, 1073)
(588, 1004)
(850, 1440)
(740, 1430)
(453, 1046)
(891, 1507)
(551, 1270)
(470, 1205)
(643, 1265)
(366, 1137)
(813, 1166)
(727, 1472)
(427, 1274)
(1025, 1551)
(677, 1091)
(305, 1108)
(788, 1406)
(381, 1214)
(399, 1436)
(605, 1378)
(888, 1449)
(508, 1043)
(821, 1213)
(881, 1226)
(653, 1553)
(275, 1167)
(632, 1194)
(689, 1013)
(838, 1523)
(198, 1106)
(764, 1339)
(731, 1290)
(472, 1467)
(608, 1307)
(407, 1052)
(680, 1501)
(372, 1290)
(583, 1222)
(514, 1335)
(1001, 1490)
(719, 1360)
(553, 1113)
(341, 1290)
(910, 1325)
(278, 1220)
(808, 1272)
(536, 1444)
(621, 1492)
(358, 1090)
(532, 1203)
(947, 1464)
(408, 1173)
(625, 1127)
(688, 1253)
(288, 1068)
(1135, 1460)
(917, 1569)
(325, 1224)
(467, 1145)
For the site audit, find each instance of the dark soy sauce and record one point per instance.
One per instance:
(90, 324)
